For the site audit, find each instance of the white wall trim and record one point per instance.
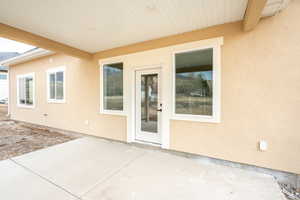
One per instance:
(105, 111)
(130, 85)
(216, 116)
(54, 70)
(166, 86)
(33, 90)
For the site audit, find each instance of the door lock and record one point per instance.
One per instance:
(160, 108)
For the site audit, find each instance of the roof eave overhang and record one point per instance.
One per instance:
(37, 53)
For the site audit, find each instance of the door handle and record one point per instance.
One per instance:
(160, 109)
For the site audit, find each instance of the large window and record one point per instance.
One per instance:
(56, 85)
(194, 90)
(112, 88)
(25, 90)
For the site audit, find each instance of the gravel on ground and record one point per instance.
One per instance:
(17, 138)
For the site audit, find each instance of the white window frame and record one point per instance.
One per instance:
(216, 114)
(51, 71)
(105, 111)
(32, 75)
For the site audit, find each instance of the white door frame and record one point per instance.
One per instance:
(140, 135)
(165, 95)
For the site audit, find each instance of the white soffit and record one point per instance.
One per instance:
(94, 25)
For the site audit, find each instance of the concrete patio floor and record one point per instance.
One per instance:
(94, 169)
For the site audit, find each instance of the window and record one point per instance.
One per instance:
(195, 92)
(112, 88)
(3, 76)
(25, 91)
(56, 85)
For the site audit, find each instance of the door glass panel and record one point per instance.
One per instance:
(149, 102)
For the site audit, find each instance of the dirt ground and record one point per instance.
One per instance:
(17, 138)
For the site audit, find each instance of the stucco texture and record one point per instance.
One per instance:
(82, 98)
(260, 98)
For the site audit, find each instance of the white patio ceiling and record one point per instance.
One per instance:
(95, 25)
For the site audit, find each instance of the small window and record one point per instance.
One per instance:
(56, 85)
(112, 87)
(26, 90)
(3, 76)
(194, 85)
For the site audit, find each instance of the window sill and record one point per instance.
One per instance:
(196, 118)
(57, 101)
(113, 112)
(25, 107)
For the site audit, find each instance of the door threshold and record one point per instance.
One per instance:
(147, 143)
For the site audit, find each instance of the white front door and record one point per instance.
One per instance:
(148, 106)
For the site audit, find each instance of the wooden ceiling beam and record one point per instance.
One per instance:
(19, 35)
(253, 13)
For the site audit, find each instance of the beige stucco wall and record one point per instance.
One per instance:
(260, 96)
(82, 98)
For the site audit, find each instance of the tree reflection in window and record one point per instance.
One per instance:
(193, 81)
